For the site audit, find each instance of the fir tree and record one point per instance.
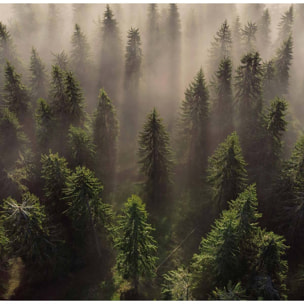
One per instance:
(285, 25)
(16, 95)
(227, 174)
(194, 122)
(111, 64)
(135, 244)
(223, 101)
(221, 46)
(155, 160)
(248, 36)
(7, 52)
(282, 65)
(81, 150)
(38, 78)
(269, 80)
(105, 133)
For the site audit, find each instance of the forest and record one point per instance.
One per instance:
(151, 151)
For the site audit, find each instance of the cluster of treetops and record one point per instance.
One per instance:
(221, 181)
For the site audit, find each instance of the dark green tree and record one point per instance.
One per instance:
(26, 228)
(282, 66)
(220, 46)
(105, 133)
(194, 124)
(223, 101)
(227, 174)
(111, 55)
(15, 95)
(81, 150)
(135, 243)
(155, 161)
(38, 79)
(133, 60)
(248, 36)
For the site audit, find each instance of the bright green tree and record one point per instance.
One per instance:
(135, 244)
(155, 161)
(227, 174)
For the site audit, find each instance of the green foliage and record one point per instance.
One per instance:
(54, 172)
(221, 46)
(155, 161)
(6, 46)
(105, 133)
(16, 95)
(136, 246)
(282, 64)
(27, 231)
(177, 285)
(194, 120)
(229, 293)
(38, 78)
(226, 172)
(81, 149)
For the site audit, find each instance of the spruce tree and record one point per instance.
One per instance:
(155, 161)
(111, 55)
(194, 124)
(269, 80)
(282, 66)
(223, 101)
(15, 95)
(221, 46)
(105, 133)
(248, 36)
(38, 80)
(7, 48)
(135, 243)
(285, 25)
(227, 174)
(133, 60)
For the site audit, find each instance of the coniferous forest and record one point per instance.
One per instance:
(151, 151)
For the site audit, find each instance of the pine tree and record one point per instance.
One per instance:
(248, 82)
(26, 228)
(248, 36)
(227, 174)
(81, 150)
(111, 64)
(263, 33)
(86, 210)
(285, 25)
(282, 66)
(7, 48)
(155, 160)
(38, 78)
(194, 123)
(135, 244)
(223, 101)
(221, 46)
(105, 133)
(133, 60)
(16, 95)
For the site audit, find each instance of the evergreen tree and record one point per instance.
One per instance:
(223, 102)
(285, 25)
(26, 228)
(248, 36)
(81, 150)
(7, 48)
(111, 64)
(135, 244)
(38, 80)
(248, 82)
(221, 46)
(269, 80)
(62, 61)
(263, 34)
(226, 172)
(236, 39)
(155, 160)
(105, 133)
(86, 210)
(16, 95)
(133, 60)
(194, 123)
(282, 65)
